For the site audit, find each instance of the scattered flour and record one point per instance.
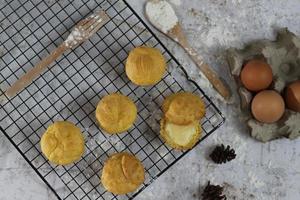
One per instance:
(175, 2)
(236, 1)
(241, 147)
(161, 15)
(269, 164)
(253, 180)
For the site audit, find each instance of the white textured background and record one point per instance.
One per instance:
(261, 171)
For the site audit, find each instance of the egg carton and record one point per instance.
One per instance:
(283, 55)
(72, 87)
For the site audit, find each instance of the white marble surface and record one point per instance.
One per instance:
(261, 171)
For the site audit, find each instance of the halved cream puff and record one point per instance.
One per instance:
(181, 137)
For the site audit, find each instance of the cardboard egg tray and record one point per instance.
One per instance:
(283, 55)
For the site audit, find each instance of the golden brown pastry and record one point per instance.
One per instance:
(167, 102)
(122, 173)
(181, 137)
(145, 66)
(183, 108)
(116, 113)
(180, 126)
(62, 143)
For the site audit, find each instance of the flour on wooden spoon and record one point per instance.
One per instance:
(161, 14)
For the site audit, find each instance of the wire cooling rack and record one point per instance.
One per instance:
(71, 89)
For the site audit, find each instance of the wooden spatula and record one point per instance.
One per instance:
(81, 32)
(176, 33)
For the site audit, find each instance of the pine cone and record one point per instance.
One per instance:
(221, 155)
(213, 192)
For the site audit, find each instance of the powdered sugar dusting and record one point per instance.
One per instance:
(161, 15)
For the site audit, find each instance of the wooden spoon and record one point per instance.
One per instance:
(176, 33)
(82, 32)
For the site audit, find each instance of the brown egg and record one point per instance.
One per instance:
(267, 106)
(256, 75)
(292, 96)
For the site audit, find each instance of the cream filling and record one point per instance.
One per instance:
(181, 135)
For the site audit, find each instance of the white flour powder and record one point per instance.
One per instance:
(75, 36)
(79, 34)
(175, 2)
(161, 15)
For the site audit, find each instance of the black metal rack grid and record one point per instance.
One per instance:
(71, 89)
